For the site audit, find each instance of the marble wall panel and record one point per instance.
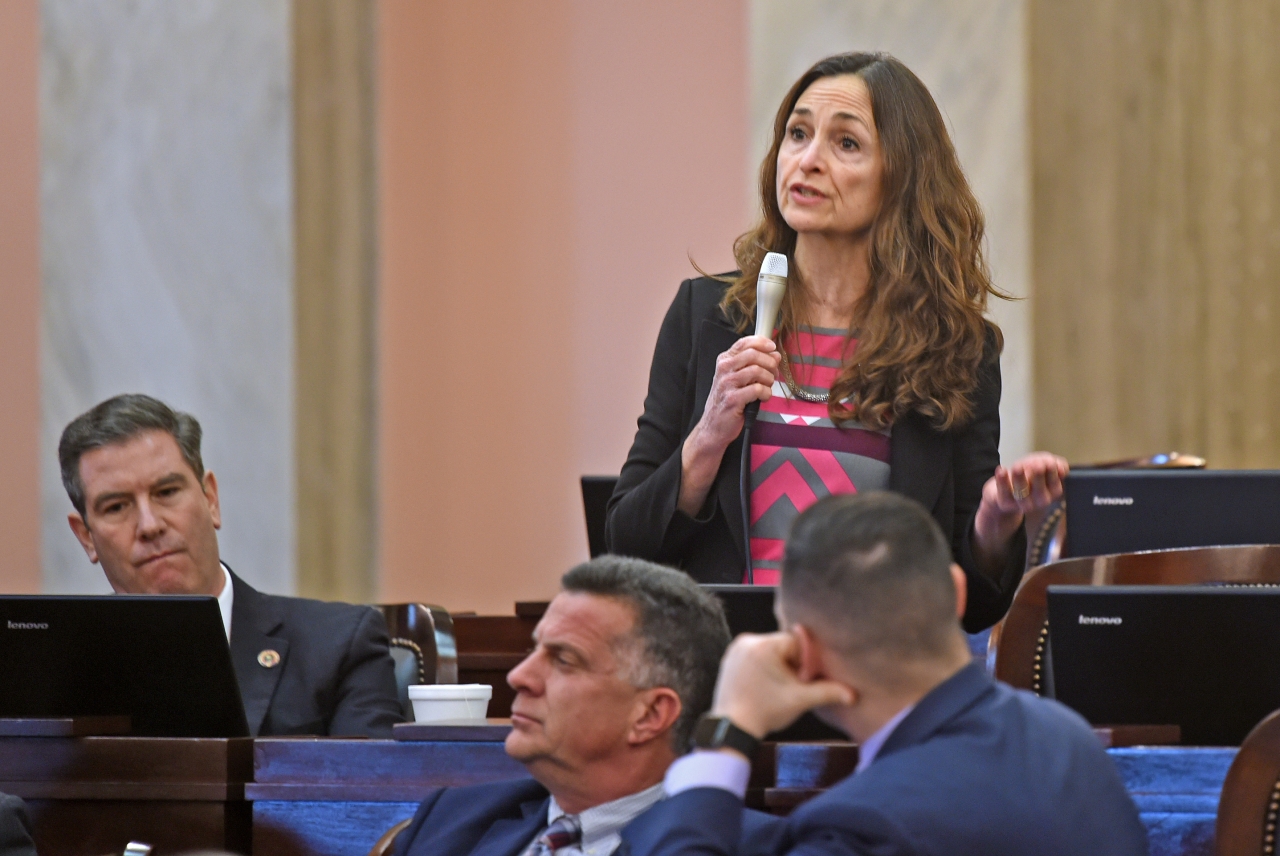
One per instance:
(972, 56)
(167, 250)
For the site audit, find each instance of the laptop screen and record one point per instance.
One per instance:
(1124, 511)
(1205, 657)
(162, 660)
(748, 609)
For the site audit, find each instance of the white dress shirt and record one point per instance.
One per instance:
(602, 825)
(225, 599)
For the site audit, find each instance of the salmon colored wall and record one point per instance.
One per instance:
(545, 170)
(19, 296)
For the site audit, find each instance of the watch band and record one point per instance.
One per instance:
(717, 732)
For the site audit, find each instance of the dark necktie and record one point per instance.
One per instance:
(562, 832)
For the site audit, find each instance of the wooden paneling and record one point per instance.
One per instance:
(1156, 233)
(335, 257)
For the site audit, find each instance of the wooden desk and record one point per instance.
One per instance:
(92, 795)
(334, 797)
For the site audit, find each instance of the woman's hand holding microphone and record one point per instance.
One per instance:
(744, 373)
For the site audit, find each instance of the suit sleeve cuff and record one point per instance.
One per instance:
(723, 770)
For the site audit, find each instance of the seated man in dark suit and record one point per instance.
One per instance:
(15, 828)
(624, 663)
(147, 510)
(950, 761)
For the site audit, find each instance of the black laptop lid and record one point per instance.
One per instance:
(162, 660)
(1125, 511)
(748, 609)
(1206, 658)
(596, 491)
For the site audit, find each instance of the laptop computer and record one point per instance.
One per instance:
(1125, 511)
(748, 609)
(1204, 657)
(596, 491)
(162, 660)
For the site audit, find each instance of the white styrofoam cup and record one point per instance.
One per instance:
(450, 702)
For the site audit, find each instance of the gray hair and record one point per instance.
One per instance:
(874, 571)
(115, 421)
(680, 628)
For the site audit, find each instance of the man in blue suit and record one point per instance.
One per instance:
(624, 662)
(950, 761)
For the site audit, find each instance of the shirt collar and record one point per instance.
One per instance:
(225, 600)
(869, 748)
(605, 821)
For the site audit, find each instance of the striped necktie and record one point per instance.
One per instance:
(562, 832)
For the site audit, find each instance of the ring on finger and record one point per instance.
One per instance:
(1021, 493)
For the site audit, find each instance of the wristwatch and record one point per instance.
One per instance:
(717, 732)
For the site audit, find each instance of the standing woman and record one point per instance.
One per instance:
(888, 375)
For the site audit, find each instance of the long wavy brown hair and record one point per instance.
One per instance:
(920, 325)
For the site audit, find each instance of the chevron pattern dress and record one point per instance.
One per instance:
(798, 455)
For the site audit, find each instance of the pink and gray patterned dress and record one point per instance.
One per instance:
(798, 455)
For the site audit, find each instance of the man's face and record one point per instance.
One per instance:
(148, 520)
(573, 707)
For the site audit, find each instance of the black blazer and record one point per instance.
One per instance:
(976, 769)
(334, 676)
(15, 828)
(943, 470)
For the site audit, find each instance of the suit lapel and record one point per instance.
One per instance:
(252, 624)
(918, 460)
(509, 836)
(714, 338)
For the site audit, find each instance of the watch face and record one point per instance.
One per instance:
(710, 732)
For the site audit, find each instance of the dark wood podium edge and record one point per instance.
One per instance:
(1125, 736)
(489, 731)
(66, 726)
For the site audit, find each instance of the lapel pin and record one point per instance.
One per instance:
(268, 659)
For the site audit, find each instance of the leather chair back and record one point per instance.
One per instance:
(1018, 650)
(1250, 800)
(422, 645)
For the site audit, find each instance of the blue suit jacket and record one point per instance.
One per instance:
(15, 828)
(493, 819)
(976, 768)
(496, 819)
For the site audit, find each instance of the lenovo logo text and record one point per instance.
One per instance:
(1112, 500)
(27, 625)
(1101, 619)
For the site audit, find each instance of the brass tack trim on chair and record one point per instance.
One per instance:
(1269, 832)
(401, 642)
(1046, 532)
(1037, 665)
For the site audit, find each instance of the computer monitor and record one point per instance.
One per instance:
(596, 491)
(748, 609)
(1203, 657)
(1125, 511)
(161, 660)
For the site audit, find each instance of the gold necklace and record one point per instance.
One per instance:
(796, 389)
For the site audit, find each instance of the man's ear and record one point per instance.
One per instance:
(81, 530)
(811, 654)
(660, 709)
(962, 589)
(209, 484)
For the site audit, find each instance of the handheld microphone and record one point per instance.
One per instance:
(771, 284)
